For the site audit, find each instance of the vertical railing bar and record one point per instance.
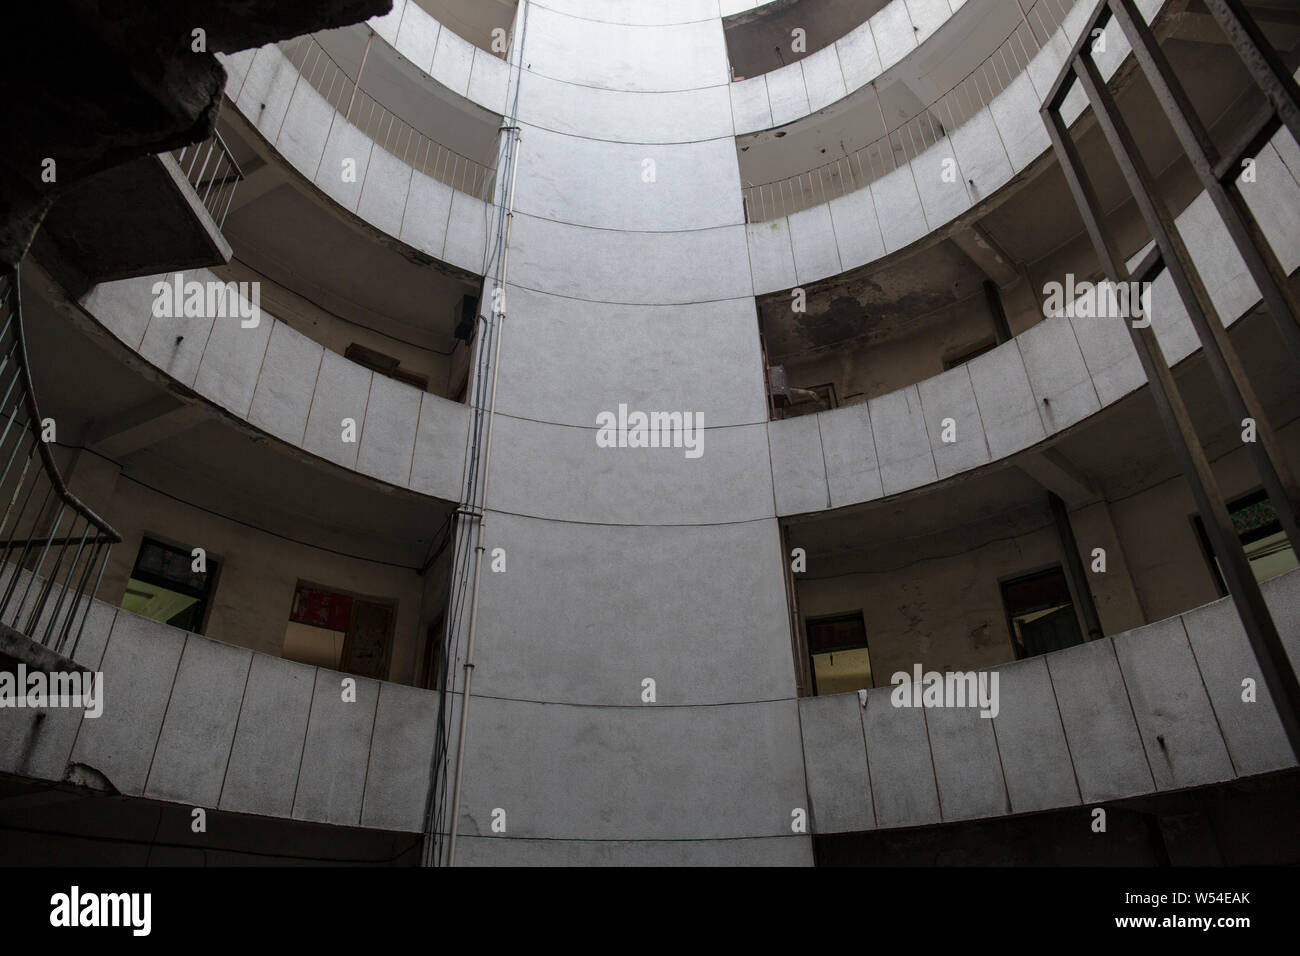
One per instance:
(72, 568)
(52, 578)
(79, 593)
(40, 563)
(90, 603)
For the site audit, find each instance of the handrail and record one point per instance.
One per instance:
(211, 159)
(32, 541)
(394, 134)
(918, 133)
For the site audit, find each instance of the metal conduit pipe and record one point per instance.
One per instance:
(499, 314)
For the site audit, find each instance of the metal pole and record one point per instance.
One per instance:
(1219, 354)
(1270, 654)
(348, 115)
(1201, 152)
(1074, 571)
(487, 461)
(1257, 53)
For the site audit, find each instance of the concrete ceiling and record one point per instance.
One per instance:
(473, 20)
(402, 88)
(759, 40)
(290, 239)
(857, 308)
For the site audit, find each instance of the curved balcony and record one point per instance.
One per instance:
(859, 58)
(1028, 390)
(405, 184)
(1154, 709)
(890, 144)
(283, 383)
(193, 721)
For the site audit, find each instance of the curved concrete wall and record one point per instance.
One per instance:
(816, 81)
(1153, 709)
(627, 287)
(314, 139)
(278, 380)
(1040, 383)
(914, 201)
(192, 721)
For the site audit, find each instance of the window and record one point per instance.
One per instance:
(1261, 536)
(339, 631)
(165, 587)
(1040, 613)
(840, 659)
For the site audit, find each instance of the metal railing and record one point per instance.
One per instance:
(55, 549)
(394, 134)
(213, 173)
(900, 145)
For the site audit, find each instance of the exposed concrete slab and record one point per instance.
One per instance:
(786, 94)
(898, 753)
(388, 437)
(139, 667)
(798, 471)
(611, 647)
(902, 440)
(849, 449)
(344, 164)
(941, 183)
(332, 778)
(438, 463)
(902, 220)
(401, 757)
(1105, 746)
(689, 357)
(751, 110)
(231, 362)
(966, 764)
(1057, 373)
(895, 37)
(342, 391)
(1015, 111)
(951, 396)
(268, 741)
(813, 237)
(835, 760)
(189, 763)
(601, 773)
(857, 229)
(424, 220)
(981, 155)
(286, 383)
(176, 345)
(823, 78)
(859, 61)
(771, 255)
(1182, 739)
(1031, 741)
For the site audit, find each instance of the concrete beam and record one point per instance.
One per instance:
(261, 179)
(987, 253)
(143, 426)
(1062, 477)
